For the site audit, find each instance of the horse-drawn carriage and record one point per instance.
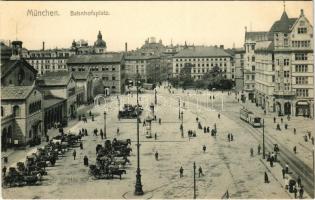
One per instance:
(110, 158)
(129, 111)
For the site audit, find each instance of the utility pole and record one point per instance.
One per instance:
(138, 186)
(263, 138)
(105, 125)
(155, 96)
(182, 123)
(194, 180)
(178, 108)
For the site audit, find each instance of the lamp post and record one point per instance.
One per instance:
(194, 180)
(263, 138)
(138, 186)
(182, 113)
(178, 108)
(105, 125)
(155, 97)
(313, 162)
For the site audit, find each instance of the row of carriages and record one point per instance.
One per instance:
(33, 169)
(111, 159)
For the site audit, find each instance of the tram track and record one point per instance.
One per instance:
(286, 157)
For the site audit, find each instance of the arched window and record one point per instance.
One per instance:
(2, 111)
(16, 110)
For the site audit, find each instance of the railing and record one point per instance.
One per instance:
(289, 93)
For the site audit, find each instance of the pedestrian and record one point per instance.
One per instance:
(286, 126)
(274, 119)
(81, 145)
(281, 120)
(156, 155)
(305, 138)
(309, 134)
(312, 140)
(259, 149)
(197, 119)
(74, 154)
(278, 127)
(102, 134)
(219, 115)
(86, 161)
(181, 172)
(208, 129)
(200, 171)
(232, 137)
(294, 131)
(155, 136)
(204, 148)
(295, 192)
(301, 192)
(286, 168)
(251, 152)
(117, 131)
(288, 117)
(283, 172)
(299, 181)
(229, 137)
(160, 121)
(294, 149)
(266, 178)
(4, 171)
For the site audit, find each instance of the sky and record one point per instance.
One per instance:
(199, 23)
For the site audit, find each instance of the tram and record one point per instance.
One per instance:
(250, 118)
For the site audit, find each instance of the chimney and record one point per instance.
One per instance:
(302, 12)
(126, 47)
(43, 45)
(245, 29)
(221, 46)
(16, 50)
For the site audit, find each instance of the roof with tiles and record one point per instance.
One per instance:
(284, 24)
(202, 52)
(58, 78)
(256, 35)
(11, 64)
(15, 92)
(79, 75)
(96, 58)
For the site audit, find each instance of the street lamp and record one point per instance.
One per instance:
(155, 97)
(138, 186)
(263, 138)
(182, 113)
(194, 180)
(178, 108)
(105, 124)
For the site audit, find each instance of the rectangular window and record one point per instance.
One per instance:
(286, 62)
(286, 74)
(300, 80)
(302, 92)
(253, 77)
(302, 30)
(300, 56)
(113, 78)
(273, 78)
(253, 68)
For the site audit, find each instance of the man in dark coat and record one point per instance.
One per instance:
(102, 134)
(86, 161)
(181, 172)
(283, 173)
(200, 171)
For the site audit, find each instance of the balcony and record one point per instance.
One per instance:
(284, 93)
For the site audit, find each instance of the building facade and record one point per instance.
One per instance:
(202, 59)
(285, 71)
(108, 71)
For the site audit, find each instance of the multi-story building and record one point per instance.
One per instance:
(60, 85)
(203, 59)
(239, 68)
(251, 38)
(285, 68)
(108, 71)
(21, 101)
(52, 60)
(49, 60)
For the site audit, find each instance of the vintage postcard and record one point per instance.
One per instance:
(157, 100)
